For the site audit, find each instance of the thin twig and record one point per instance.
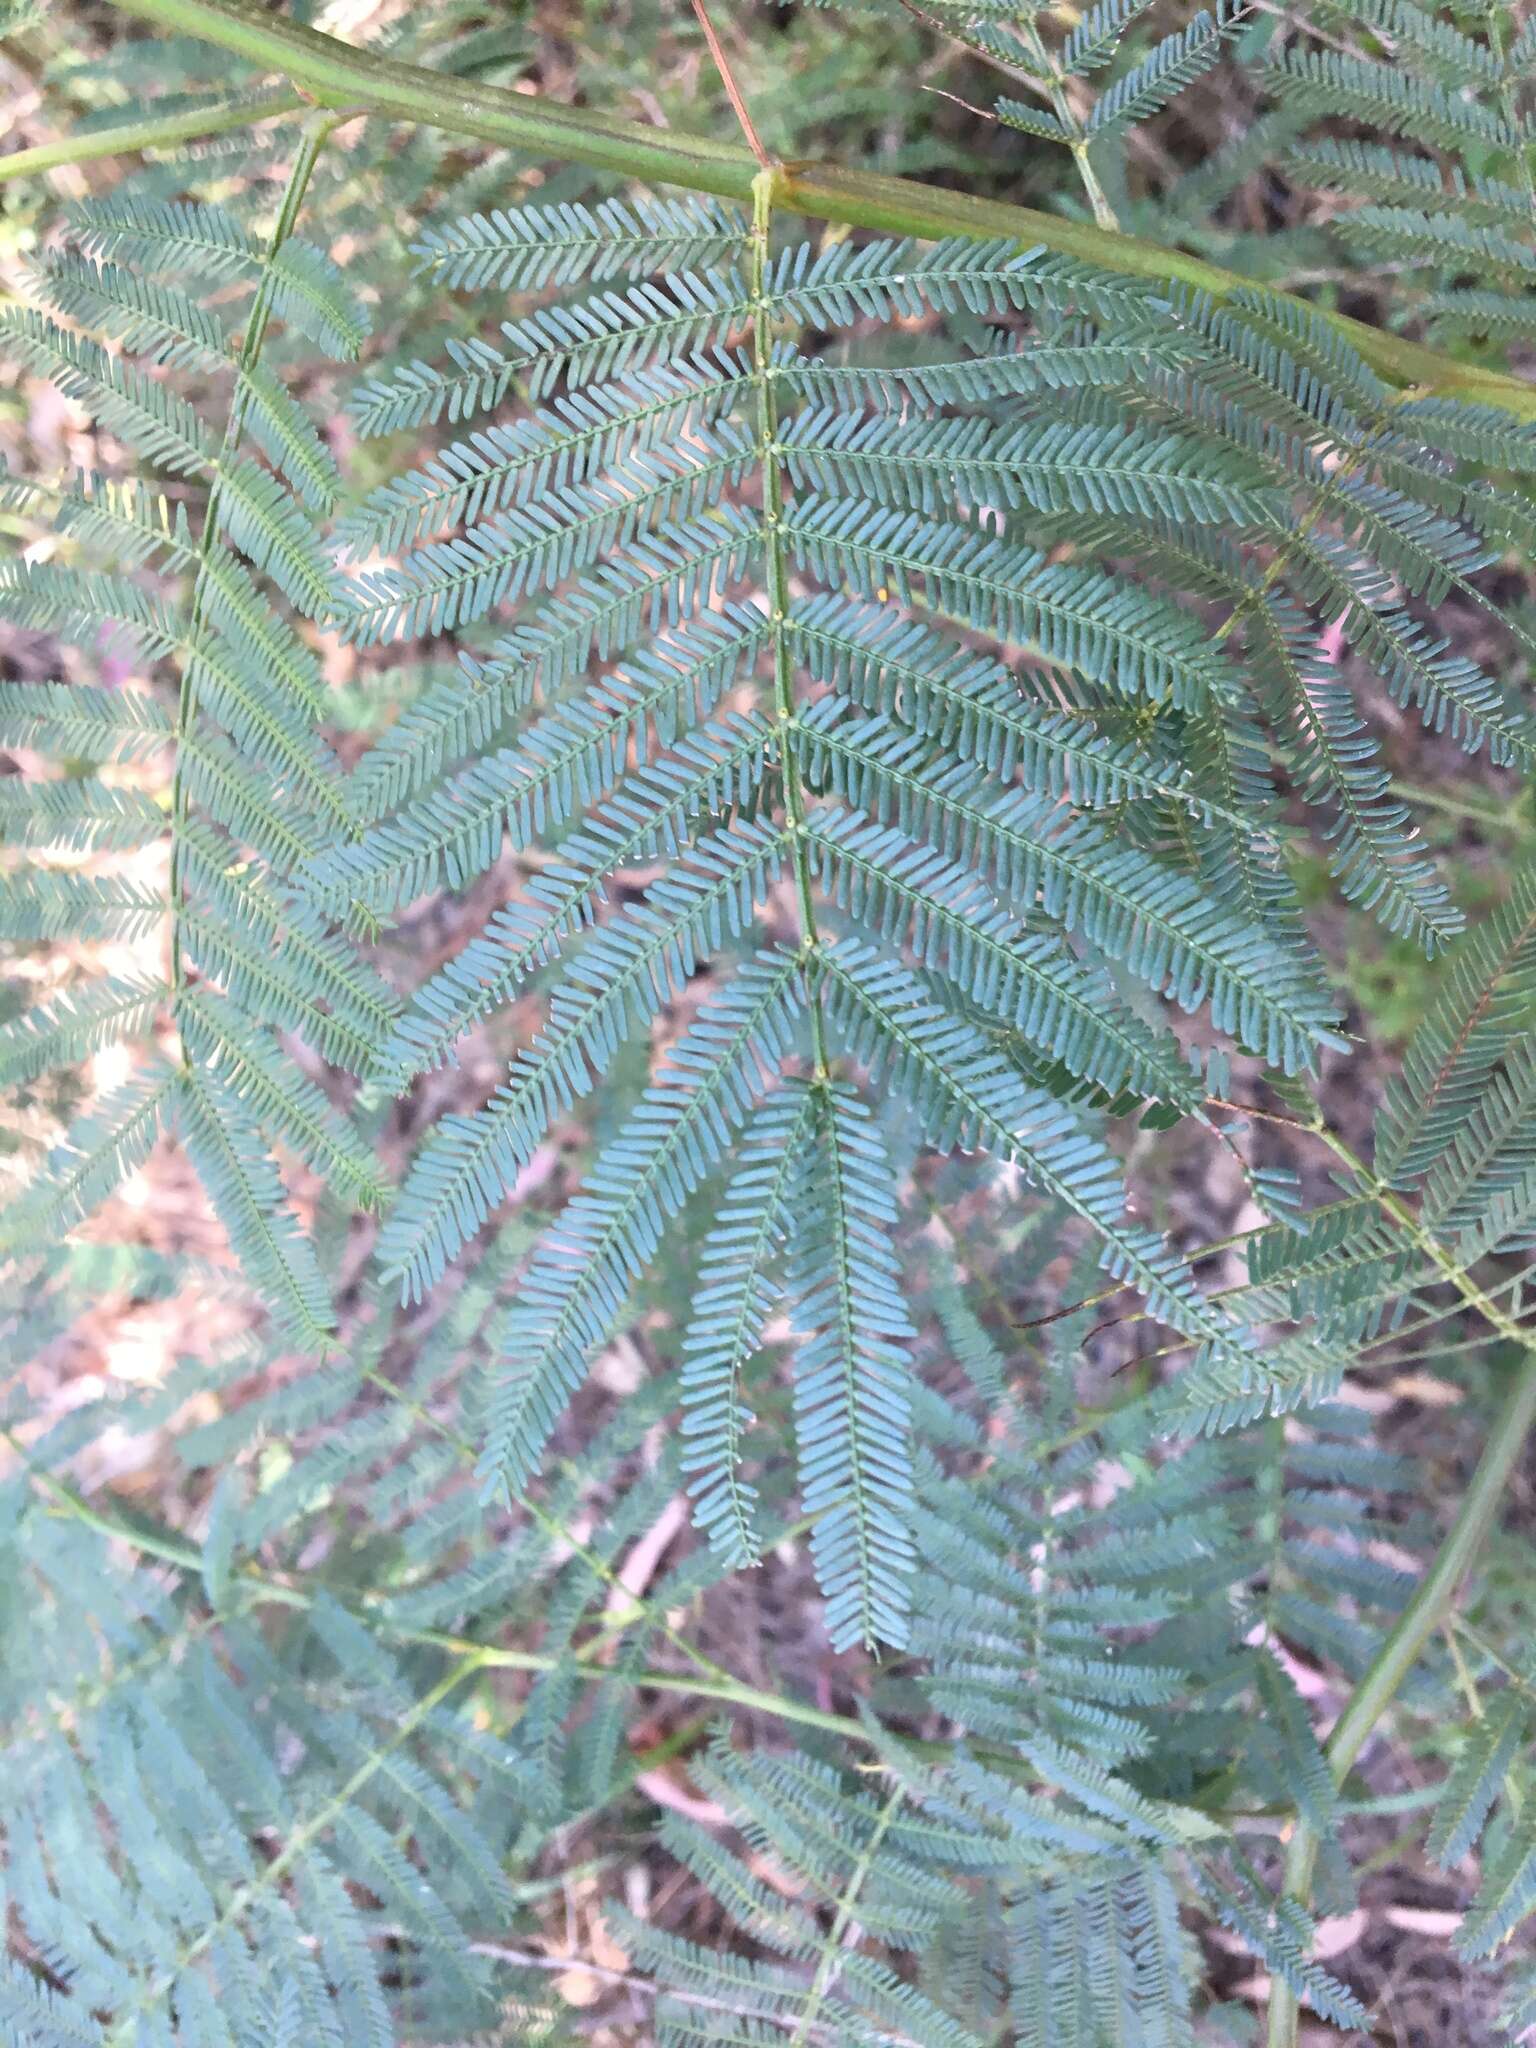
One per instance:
(855, 197)
(732, 89)
(939, 93)
(1433, 1603)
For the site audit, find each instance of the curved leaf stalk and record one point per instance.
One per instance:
(838, 1933)
(1434, 1599)
(1252, 599)
(334, 75)
(764, 189)
(715, 1683)
(709, 1681)
(1061, 107)
(1425, 1241)
(155, 131)
(1425, 1613)
(273, 1873)
(312, 140)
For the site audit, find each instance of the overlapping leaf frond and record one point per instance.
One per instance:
(180, 1754)
(879, 685)
(716, 514)
(1027, 45)
(912, 1858)
(1443, 195)
(1026, 1872)
(229, 791)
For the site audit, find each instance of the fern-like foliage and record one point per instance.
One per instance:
(133, 1817)
(1110, 56)
(1025, 1874)
(1438, 184)
(793, 573)
(879, 687)
(236, 786)
(1085, 1929)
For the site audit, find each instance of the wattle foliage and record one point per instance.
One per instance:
(882, 686)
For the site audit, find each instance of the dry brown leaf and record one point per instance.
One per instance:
(1334, 1936)
(667, 1789)
(1424, 1388)
(606, 1952)
(578, 1987)
(1435, 1921)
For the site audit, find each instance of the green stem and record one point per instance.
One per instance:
(1434, 1600)
(298, 1842)
(1516, 1677)
(312, 141)
(335, 75)
(1425, 1613)
(837, 1933)
(1424, 1241)
(764, 191)
(1437, 1590)
(1054, 87)
(155, 131)
(712, 1683)
(639, 1610)
(174, 1550)
(149, 1542)
(1503, 817)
